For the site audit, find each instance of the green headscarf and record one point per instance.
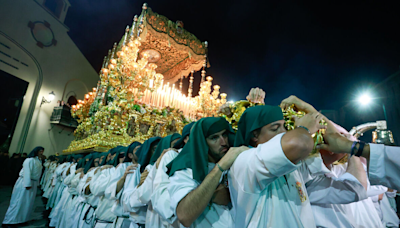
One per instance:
(105, 154)
(90, 163)
(143, 152)
(185, 132)
(112, 152)
(61, 159)
(164, 143)
(35, 152)
(254, 118)
(194, 154)
(119, 150)
(81, 163)
(77, 156)
(69, 158)
(130, 150)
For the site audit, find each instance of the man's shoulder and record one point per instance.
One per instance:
(242, 158)
(169, 155)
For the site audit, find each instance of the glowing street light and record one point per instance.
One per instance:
(364, 99)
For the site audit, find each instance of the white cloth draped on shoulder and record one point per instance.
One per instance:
(130, 201)
(111, 193)
(47, 189)
(108, 177)
(160, 197)
(144, 193)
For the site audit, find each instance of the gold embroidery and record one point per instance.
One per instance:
(302, 196)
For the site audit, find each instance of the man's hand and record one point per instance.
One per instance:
(334, 141)
(79, 170)
(230, 156)
(221, 195)
(88, 179)
(91, 169)
(130, 169)
(298, 104)
(162, 154)
(97, 170)
(120, 184)
(106, 167)
(82, 174)
(28, 188)
(143, 177)
(311, 121)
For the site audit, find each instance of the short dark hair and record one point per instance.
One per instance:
(24, 154)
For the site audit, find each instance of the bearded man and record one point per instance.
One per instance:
(197, 188)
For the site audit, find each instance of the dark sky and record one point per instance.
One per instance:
(323, 52)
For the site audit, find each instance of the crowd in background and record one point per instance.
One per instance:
(10, 166)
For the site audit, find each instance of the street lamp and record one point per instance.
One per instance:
(51, 97)
(365, 99)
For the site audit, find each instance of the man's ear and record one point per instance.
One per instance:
(253, 141)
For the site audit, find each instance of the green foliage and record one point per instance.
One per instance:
(94, 107)
(136, 107)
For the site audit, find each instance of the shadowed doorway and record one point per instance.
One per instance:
(12, 92)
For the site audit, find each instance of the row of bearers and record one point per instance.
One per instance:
(209, 177)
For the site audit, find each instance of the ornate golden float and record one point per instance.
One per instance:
(136, 97)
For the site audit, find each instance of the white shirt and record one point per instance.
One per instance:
(111, 191)
(384, 165)
(362, 214)
(329, 195)
(91, 199)
(98, 188)
(181, 184)
(389, 216)
(160, 198)
(129, 199)
(267, 190)
(144, 193)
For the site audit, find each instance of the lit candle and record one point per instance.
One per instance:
(171, 98)
(167, 96)
(152, 98)
(147, 96)
(158, 97)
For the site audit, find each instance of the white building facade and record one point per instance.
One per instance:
(35, 47)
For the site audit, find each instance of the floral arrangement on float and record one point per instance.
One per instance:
(233, 111)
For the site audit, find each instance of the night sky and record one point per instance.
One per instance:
(323, 52)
